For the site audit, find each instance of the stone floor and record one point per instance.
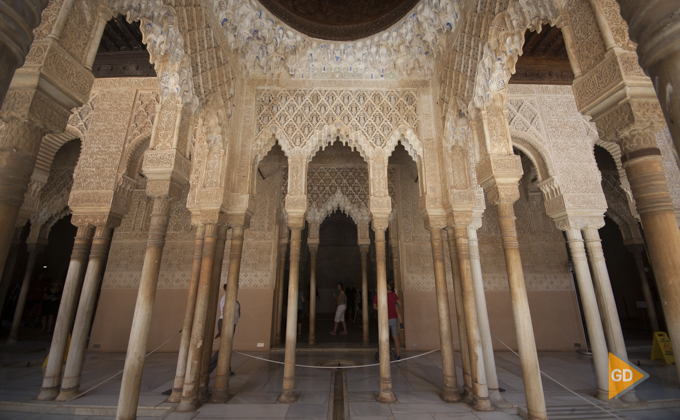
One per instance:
(257, 384)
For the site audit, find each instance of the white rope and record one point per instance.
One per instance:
(334, 367)
(563, 386)
(104, 381)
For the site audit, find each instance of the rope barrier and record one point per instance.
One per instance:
(334, 367)
(104, 381)
(563, 386)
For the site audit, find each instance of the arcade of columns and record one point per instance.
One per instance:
(220, 104)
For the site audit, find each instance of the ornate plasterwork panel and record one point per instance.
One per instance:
(268, 46)
(345, 188)
(308, 119)
(670, 166)
(587, 36)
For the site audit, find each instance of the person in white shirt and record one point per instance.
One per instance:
(237, 315)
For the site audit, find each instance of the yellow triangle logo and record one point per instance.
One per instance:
(623, 376)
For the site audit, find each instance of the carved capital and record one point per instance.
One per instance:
(632, 124)
(239, 218)
(104, 219)
(296, 208)
(579, 222)
(380, 207)
(498, 194)
(363, 249)
(434, 219)
(212, 217)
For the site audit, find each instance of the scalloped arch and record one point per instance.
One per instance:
(537, 153)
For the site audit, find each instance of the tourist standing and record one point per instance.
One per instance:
(341, 297)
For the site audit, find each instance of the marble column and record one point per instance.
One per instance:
(279, 291)
(386, 394)
(650, 190)
(313, 249)
(189, 399)
(363, 250)
(590, 310)
(655, 26)
(483, 316)
(209, 332)
(221, 391)
(67, 309)
(460, 316)
(450, 385)
(33, 250)
(288, 394)
(477, 368)
(526, 343)
(16, 35)
(637, 251)
(70, 382)
(188, 317)
(141, 320)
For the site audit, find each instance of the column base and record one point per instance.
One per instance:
(12, 340)
(219, 396)
(603, 395)
(187, 404)
(497, 399)
(67, 394)
(288, 397)
(386, 397)
(365, 344)
(467, 395)
(630, 397)
(483, 404)
(175, 397)
(450, 395)
(48, 394)
(203, 396)
(312, 342)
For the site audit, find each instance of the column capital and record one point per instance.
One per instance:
(434, 219)
(96, 219)
(495, 170)
(295, 207)
(502, 194)
(313, 246)
(239, 218)
(211, 217)
(363, 249)
(461, 218)
(579, 222)
(632, 124)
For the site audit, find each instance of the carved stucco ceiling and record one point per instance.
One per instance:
(339, 20)
(122, 53)
(544, 59)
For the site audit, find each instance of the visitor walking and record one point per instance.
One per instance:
(341, 297)
(237, 315)
(393, 315)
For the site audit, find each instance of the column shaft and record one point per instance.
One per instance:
(386, 394)
(531, 375)
(67, 309)
(646, 291)
(188, 317)
(141, 321)
(398, 287)
(9, 269)
(364, 294)
(652, 198)
(33, 251)
(483, 319)
(221, 391)
(598, 345)
(189, 399)
(214, 298)
(81, 328)
(450, 385)
(288, 394)
(279, 292)
(312, 296)
(479, 387)
(460, 316)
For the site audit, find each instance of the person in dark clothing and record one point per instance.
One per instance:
(50, 306)
(351, 293)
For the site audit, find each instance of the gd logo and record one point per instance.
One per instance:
(623, 376)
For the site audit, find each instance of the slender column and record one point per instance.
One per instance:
(637, 250)
(288, 394)
(363, 249)
(592, 315)
(67, 309)
(188, 317)
(141, 321)
(650, 190)
(221, 391)
(212, 314)
(386, 394)
(279, 293)
(531, 375)
(483, 318)
(460, 316)
(479, 388)
(33, 250)
(81, 328)
(313, 248)
(189, 399)
(450, 385)
(9, 268)
(18, 21)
